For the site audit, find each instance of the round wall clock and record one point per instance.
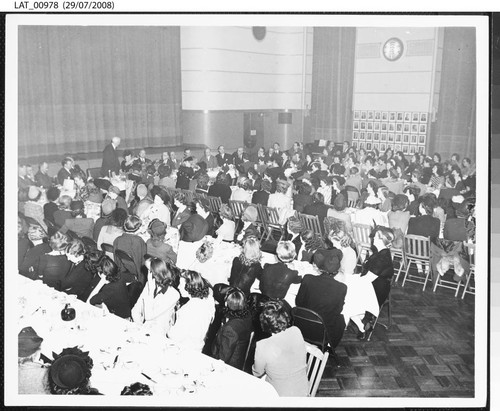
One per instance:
(393, 49)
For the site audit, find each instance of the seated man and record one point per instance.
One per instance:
(324, 294)
(42, 177)
(209, 159)
(79, 223)
(65, 172)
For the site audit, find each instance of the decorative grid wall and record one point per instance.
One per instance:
(400, 131)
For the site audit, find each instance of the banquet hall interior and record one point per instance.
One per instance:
(236, 199)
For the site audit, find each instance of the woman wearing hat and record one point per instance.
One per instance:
(114, 194)
(324, 294)
(185, 173)
(133, 245)
(232, 339)
(156, 305)
(156, 245)
(32, 373)
(370, 213)
(246, 267)
(243, 191)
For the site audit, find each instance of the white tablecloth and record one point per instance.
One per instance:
(178, 373)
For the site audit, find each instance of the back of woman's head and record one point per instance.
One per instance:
(244, 183)
(164, 170)
(132, 224)
(202, 181)
(222, 178)
(265, 185)
(274, 318)
(59, 241)
(76, 248)
(282, 186)
(109, 269)
(65, 202)
(161, 193)
(165, 274)
(118, 217)
(428, 202)
(286, 251)
(400, 202)
(251, 252)
(385, 233)
(236, 300)
(340, 202)
(53, 193)
(304, 189)
(180, 197)
(196, 285)
(92, 260)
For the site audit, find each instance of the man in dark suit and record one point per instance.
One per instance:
(65, 172)
(324, 294)
(193, 229)
(239, 157)
(42, 178)
(208, 159)
(223, 158)
(110, 161)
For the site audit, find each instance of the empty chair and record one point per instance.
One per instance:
(417, 251)
(361, 234)
(311, 222)
(214, 204)
(316, 362)
(469, 287)
(311, 325)
(237, 207)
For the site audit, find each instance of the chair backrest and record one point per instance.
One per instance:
(189, 195)
(271, 216)
(94, 172)
(316, 362)
(361, 234)
(125, 261)
(200, 195)
(311, 222)
(332, 222)
(214, 204)
(311, 325)
(417, 247)
(237, 207)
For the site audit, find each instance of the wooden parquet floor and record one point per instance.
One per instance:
(427, 352)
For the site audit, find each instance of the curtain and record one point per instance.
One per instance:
(455, 128)
(80, 86)
(332, 83)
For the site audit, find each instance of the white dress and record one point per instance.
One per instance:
(283, 204)
(347, 265)
(193, 320)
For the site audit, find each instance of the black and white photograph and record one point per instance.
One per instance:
(172, 240)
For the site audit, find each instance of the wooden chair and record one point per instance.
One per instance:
(386, 303)
(361, 234)
(261, 220)
(399, 253)
(352, 196)
(451, 285)
(417, 251)
(189, 195)
(214, 204)
(312, 326)
(469, 288)
(249, 346)
(316, 362)
(237, 207)
(272, 219)
(311, 222)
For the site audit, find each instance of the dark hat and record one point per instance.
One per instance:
(114, 189)
(328, 260)
(69, 371)
(28, 342)
(157, 227)
(76, 205)
(102, 183)
(340, 202)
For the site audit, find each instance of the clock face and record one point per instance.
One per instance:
(393, 49)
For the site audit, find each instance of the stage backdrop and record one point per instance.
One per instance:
(80, 86)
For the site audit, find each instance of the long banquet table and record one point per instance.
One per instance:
(123, 353)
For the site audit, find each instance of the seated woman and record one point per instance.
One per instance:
(338, 212)
(184, 210)
(156, 245)
(324, 294)
(277, 278)
(51, 206)
(196, 226)
(155, 307)
(33, 208)
(194, 317)
(79, 223)
(246, 267)
(385, 199)
(228, 226)
(113, 229)
(311, 243)
(302, 197)
(79, 278)
(202, 183)
(111, 290)
(281, 357)
(203, 210)
(282, 201)
(40, 246)
(233, 337)
(317, 208)
(247, 225)
(425, 224)
(261, 196)
(221, 187)
(370, 214)
(54, 266)
(378, 269)
(342, 241)
(160, 208)
(243, 192)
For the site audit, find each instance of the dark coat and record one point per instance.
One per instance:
(48, 211)
(260, 197)
(243, 276)
(318, 209)
(83, 227)
(380, 264)
(43, 180)
(62, 175)
(110, 161)
(193, 229)
(77, 282)
(223, 160)
(455, 229)
(31, 259)
(23, 245)
(324, 295)
(60, 217)
(115, 296)
(180, 218)
(184, 176)
(300, 201)
(52, 269)
(231, 341)
(222, 191)
(425, 225)
(100, 223)
(276, 280)
(135, 247)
